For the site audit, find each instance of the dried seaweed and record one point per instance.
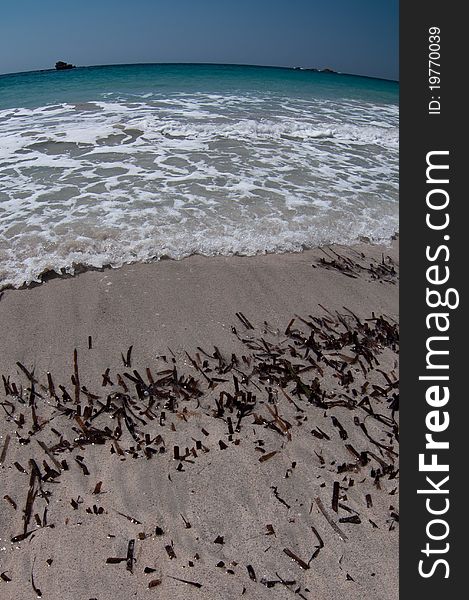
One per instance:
(128, 357)
(37, 591)
(244, 320)
(149, 570)
(187, 525)
(276, 494)
(296, 558)
(281, 383)
(251, 572)
(352, 519)
(319, 547)
(131, 519)
(115, 560)
(5, 449)
(384, 271)
(186, 581)
(50, 455)
(335, 497)
(130, 556)
(75, 377)
(265, 457)
(10, 501)
(20, 468)
(335, 527)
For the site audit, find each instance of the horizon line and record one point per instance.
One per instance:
(293, 68)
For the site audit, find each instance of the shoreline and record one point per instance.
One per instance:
(189, 496)
(79, 268)
(160, 293)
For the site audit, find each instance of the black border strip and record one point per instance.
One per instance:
(423, 132)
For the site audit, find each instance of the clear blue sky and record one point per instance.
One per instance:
(355, 36)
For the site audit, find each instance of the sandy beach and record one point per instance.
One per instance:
(235, 453)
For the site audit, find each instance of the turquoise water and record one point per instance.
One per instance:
(108, 165)
(85, 84)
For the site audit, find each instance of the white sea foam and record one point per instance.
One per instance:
(111, 182)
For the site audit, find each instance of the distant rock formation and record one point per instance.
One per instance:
(314, 70)
(62, 66)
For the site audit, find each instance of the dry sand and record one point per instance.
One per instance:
(168, 308)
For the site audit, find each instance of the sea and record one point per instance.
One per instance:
(102, 166)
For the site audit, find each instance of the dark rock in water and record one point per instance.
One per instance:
(328, 71)
(62, 66)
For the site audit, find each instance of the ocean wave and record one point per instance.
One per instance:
(70, 255)
(111, 181)
(21, 128)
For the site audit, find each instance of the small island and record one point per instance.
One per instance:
(63, 66)
(315, 70)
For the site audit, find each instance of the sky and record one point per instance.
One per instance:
(353, 36)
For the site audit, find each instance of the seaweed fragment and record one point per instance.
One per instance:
(50, 455)
(10, 501)
(355, 519)
(115, 560)
(296, 558)
(251, 572)
(187, 525)
(276, 494)
(80, 462)
(130, 556)
(6, 443)
(265, 457)
(75, 377)
(186, 581)
(335, 527)
(37, 591)
(131, 519)
(343, 434)
(20, 468)
(335, 497)
(319, 547)
(127, 360)
(244, 320)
